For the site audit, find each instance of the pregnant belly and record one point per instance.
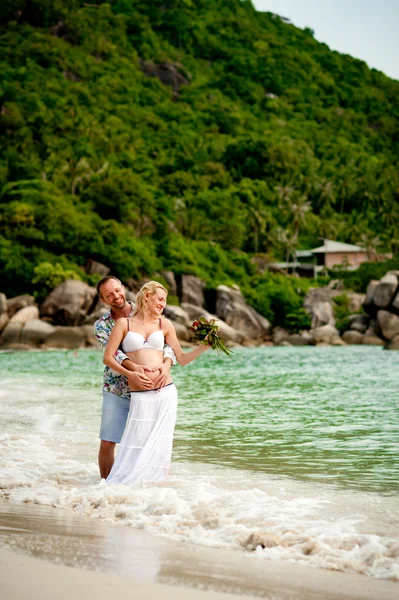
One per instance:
(150, 359)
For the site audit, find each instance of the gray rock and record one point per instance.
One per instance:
(3, 320)
(353, 337)
(355, 301)
(28, 313)
(388, 324)
(192, 290)
(11, 334)
(92, 266)
(359, 322)
(232, 308)
(226, 332)
(296, 339)
(395, 303)
(324, 334)
(337, 341)
(372, 340)
(284, 343)
(15, 304)
(393, 344)
(35, 332)
(90, 339)
(321, 313)
(279, 335)
(177, 315)
(94, 316)
(169, 277)
(182, 332)
(69, 302)
(385, 290)
(66, 337)
(368, 303)
(3, 304)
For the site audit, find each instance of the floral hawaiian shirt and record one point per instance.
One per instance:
(114, 382)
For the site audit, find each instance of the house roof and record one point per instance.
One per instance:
(330, 246)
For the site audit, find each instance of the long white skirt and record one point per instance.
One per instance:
(145, 450)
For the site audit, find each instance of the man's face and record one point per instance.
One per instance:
(113, 293)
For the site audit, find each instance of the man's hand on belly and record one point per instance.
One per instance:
(139, 379)
(162, 372)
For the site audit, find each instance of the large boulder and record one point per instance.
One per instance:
(35, 332)
(326, 334)
(3, 303)
(372, 340)
(232, 308)
(359, 322)
(69, 302)
(15, 304)
(226, 332)
(191, 290)
(94, 267)
(11, 334)
(296, 339)
(353, 337)
(90, 339)
(280, 335)
(355, 301)
(3, 320)
(169, 277)
(182, 332)
(24, 315)
(177, 315)
(393, 344)
(395, 303)
(388, 324)
(368, 303)
(66, 337)
(385, 290)
(321, 313)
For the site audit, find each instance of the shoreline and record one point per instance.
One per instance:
(91, 556)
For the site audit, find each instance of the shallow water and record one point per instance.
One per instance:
(293, 450)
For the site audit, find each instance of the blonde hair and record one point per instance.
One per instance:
(151, 287)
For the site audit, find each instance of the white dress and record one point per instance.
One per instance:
(145, 450)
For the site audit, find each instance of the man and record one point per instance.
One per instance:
(116, 394)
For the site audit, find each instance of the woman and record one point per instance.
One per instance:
(146, 447)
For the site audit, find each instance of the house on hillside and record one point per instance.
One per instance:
(332, 254)
(307, 263)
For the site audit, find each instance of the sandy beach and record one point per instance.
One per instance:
(44, 549)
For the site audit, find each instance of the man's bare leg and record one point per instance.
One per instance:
(106, 457)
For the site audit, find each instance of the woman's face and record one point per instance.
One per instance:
(157, 302)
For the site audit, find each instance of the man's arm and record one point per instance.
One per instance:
(102, 334)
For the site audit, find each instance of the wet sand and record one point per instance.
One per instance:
(47, 552)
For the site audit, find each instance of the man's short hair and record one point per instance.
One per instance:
(104, 280)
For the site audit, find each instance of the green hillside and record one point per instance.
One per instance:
(185, 135)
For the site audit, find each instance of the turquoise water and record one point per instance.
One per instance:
(329, 415)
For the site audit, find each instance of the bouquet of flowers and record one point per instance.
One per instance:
(206, 332)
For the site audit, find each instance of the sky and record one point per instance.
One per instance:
(365, 29)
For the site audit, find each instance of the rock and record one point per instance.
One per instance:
(395, 303)
(372, 340)
(321, 313)
(359, 322)
(324, 334)
(90, 339)
(168, 73)
(25, 314)
(355, 301)
(169, 277)
(393, 344)
(368, 303)
(353, 337)
(96, 314)
(3, 304)
(67, 337)
(372, 328)
(226, 332)
(296, 339)
(15, 304)
(36, 332)
(284, 343)
(3, 320)
(182, 332)
(337, 341)
(92, 266)
(191, 290)
(232, 308)
(385, 291)
(388, 324)
(279, 335)
(11, 334)
(69, 302)
(177, 314)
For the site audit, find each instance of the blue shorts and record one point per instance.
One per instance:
(113, 418)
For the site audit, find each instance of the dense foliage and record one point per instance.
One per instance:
(184, 135)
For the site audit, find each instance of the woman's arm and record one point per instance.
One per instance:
(183, 358)
(115, 339)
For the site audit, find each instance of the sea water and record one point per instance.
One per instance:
(286, 454)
